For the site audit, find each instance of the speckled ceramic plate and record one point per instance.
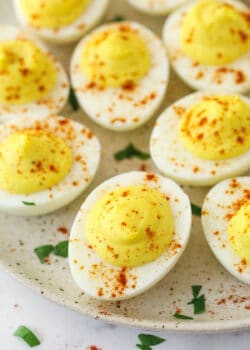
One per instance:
(228, 301)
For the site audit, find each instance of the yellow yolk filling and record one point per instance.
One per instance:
(214, 33)
(217, 128)
(130, 226)
(115, 57)
(33, 161)
(239, 232)
(52, 14)
(26, 73)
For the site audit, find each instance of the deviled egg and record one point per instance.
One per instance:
(32, 80)
(208, 42)
(203, 138)
(60, 21)
(45, 163)
(120, 73)
(156, 7)
(130, 231)
(226, 224)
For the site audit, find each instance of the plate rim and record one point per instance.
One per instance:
(194, 326)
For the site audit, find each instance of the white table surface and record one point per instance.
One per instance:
(61, 329)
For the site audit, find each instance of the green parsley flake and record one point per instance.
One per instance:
(182, 317)
(61, 249)
(196, 290)
(150, 340)
(28, 203)
(27, 336)
(195, 210)
(73, 100)
(43, 252)
(143, 347)
(199, 302)
(129, 152)
(118, 18)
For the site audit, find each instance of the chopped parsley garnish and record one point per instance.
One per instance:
(143, 347)
(73, 100)
(27, 336)
(196, 290)
(199, 302)
(182, 317)
(61, 249)
(118, 18)
(129, 152)
(195, 210)
(43, 252)
(148, 340)
(28, 203)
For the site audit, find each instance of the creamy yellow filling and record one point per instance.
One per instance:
(214, 33)
(130, 226)
(115, 57)
(217, 127)
(26, 73)
(239, 232)
(52, 14)
(33, 161)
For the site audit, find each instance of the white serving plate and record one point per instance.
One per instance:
(154, 309)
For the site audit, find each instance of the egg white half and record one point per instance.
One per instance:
(115, 108)
(51, 103)
(82, 258)
(85, 149)
(235, 76)
(156, 7)
(174, 160)
(216, 208)
(70, 33)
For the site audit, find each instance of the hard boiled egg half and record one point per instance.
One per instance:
(203, 138)
(32, 81)
(156, 7)
(120, 74)
(45, 163)
(129, 232)
(60, 21)
(226, 224)
(208, 42)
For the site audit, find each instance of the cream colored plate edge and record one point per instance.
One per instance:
(227, 299)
